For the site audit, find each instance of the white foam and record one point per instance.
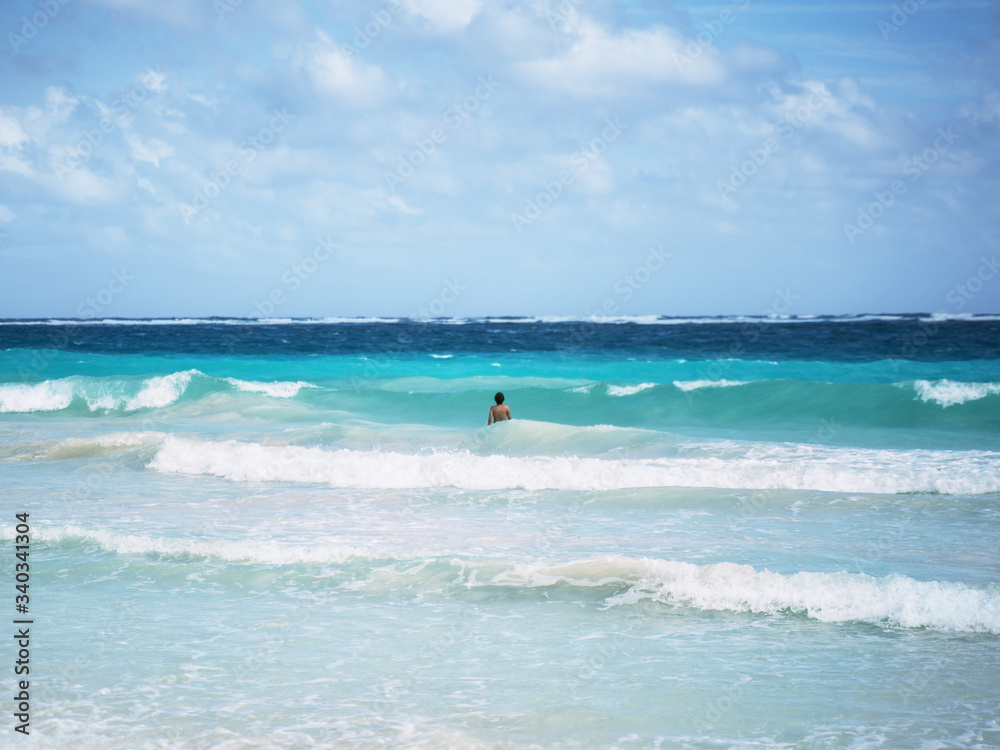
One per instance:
(963, 317)
(951, 392)
(161, 391)
(751, 466)
(50, 395)
(105, 401)
(117, 439)
(442, 356)
(628, 390)
(256, 551)
(276, 389)
(612, 320)
(99, 394)
(600, 319)
(350, 320)
(482, 383)
(895, 600)
(828, 597)
(192, 321)
(693, 385)
(99, 445)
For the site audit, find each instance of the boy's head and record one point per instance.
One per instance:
(498, 398)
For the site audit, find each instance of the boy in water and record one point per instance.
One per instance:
(499, 413)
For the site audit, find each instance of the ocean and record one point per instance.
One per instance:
(695, 532)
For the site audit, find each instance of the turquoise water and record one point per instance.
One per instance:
(286, 539)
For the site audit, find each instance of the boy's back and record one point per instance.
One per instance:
(500, 412)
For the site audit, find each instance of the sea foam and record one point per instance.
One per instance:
(51, 395)
(951, 392)
(277, 389)
(127, 393)
(629, 390)
(693, 385)
(892, 600)
(160, 391)
(753, 466)
(261, 551)
(829, 597)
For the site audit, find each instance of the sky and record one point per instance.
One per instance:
(465, 158)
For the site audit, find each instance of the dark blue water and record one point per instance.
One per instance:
(911, 337)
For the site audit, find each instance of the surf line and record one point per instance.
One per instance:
(624, 288)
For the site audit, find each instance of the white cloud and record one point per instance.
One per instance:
(12, 135)
(151, 151)
(22, 128)
(13, 138)
(600, 64)
(848, 113)
(202, 100)
(84, 187)
(444, 15)
(597, 177)
(336, 72)
(404, 207)
(6, 215)
(987, 109)
(154, 79)
(183, 14)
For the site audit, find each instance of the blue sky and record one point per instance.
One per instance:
(471, 158)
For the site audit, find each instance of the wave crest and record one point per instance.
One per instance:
(894, 600)
(952, 392)
(276, 389)
(629, 390)
(828, 597)
(753, 466)
(128, 393)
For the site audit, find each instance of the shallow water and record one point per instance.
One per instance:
(304, 535)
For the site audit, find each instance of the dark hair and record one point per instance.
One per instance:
(498, 398)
